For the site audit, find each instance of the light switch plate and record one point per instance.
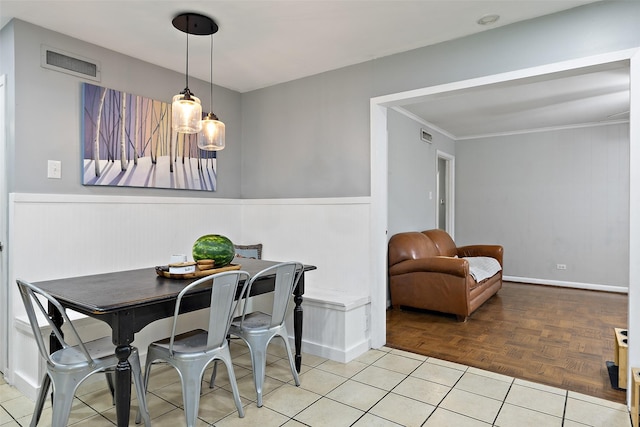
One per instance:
(54, 169)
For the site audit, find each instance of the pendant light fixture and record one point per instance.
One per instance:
(211, 137)
(186, 108)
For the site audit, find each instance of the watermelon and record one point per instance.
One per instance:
(216, 247)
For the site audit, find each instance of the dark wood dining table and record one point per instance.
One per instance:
(130, 300)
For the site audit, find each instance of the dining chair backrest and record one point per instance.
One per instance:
(224, 287)
(249, 251)
(287, 275)
(31, 295)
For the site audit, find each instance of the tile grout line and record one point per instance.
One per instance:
(504, 400)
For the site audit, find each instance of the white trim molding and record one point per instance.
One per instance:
(565, 284)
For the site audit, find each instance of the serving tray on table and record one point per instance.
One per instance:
(163, 271)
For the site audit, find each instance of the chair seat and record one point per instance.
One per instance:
(253, 321)
(189, 342)
(98, 349)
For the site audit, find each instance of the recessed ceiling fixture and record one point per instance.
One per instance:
(211, 137)
(186, 108)
(488, 19)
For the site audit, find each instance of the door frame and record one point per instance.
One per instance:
(379, 175)
(450, 190)
(4, 215)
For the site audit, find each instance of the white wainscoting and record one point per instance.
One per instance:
(347, 325)
(56, 236)
(334, 235)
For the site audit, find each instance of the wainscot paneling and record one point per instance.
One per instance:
(56, 236)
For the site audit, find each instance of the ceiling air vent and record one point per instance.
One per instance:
(58, 60)
(426, 136)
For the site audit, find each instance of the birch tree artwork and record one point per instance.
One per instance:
(128, 142)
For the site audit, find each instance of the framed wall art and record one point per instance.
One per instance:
(127, 141)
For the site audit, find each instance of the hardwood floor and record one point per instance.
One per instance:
(556, 336)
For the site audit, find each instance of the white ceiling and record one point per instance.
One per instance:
(266, 42)
(579, 97)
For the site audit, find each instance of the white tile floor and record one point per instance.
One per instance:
(383, 387)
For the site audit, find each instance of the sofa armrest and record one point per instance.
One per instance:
(493, 251)
(439, 264)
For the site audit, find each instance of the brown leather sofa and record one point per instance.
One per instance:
(425, 273)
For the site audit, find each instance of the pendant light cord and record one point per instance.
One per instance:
(187, 67)
(211, 79)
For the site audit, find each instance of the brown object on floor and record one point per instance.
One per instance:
(556, 336)
(635, 397)
(621, 355)
(428, 271)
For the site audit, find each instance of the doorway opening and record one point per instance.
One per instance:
(379, 169)
(445, 190)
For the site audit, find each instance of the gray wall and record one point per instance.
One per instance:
(412, 174)
(549, 198)
(306, 138)
(48, 112)
(310, 137)
(328, 115)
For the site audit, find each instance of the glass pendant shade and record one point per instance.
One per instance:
(186, 113)
(211, 137)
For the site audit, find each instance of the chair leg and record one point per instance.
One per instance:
(62, 401)
(147, 373)
(42, 397)
(213, 374)
(191, 385)
(259, 364)
(215, 367)
(136, 371)
(234, 384)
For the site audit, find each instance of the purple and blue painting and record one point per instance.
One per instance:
(128, 142)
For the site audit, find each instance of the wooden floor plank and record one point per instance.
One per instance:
(556, 336)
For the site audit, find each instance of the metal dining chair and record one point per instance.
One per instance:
(68, 367)
(191, 352)
(257, 329)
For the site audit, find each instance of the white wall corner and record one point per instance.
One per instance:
(336, 325)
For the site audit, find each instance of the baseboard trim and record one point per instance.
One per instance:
(333, 353)
(563, 284)
(25, 386)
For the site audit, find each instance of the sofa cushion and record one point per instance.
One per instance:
(410, 245)
(443, 242)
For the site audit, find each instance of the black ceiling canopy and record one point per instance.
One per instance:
(194, 23)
